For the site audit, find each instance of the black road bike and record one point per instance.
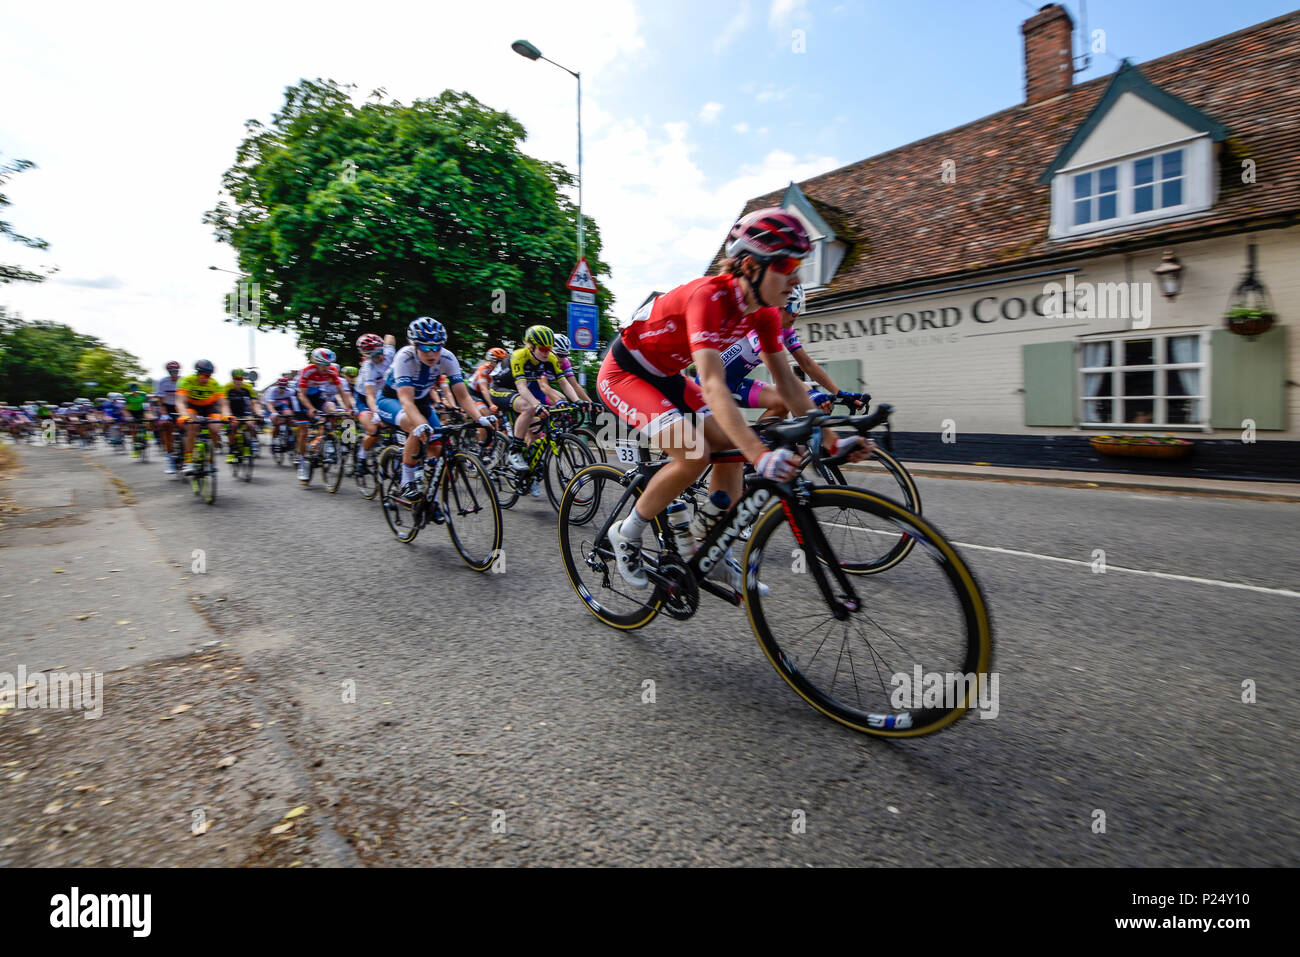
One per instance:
(840, 640)
(454, 491)
(554, 457)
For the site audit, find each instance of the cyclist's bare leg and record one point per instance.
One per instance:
(688, 445)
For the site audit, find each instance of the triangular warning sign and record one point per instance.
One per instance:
(580, 280)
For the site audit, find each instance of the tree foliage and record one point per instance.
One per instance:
(52, 362)
(17, 273)
(112, 369)
(358, 218)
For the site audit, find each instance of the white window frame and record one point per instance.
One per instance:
(814, 260)
(1159, 397)
(1200, 185)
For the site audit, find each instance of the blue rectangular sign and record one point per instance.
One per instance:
(583, 325)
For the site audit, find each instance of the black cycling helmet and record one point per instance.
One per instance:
(204, 367)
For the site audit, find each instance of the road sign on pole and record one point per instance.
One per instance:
(580, 279)
(588, 297)
(583, 320)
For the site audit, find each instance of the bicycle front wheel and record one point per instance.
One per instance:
(210, 470)
(366, 479)
(331, 461)
(473, 516)
(914, 655)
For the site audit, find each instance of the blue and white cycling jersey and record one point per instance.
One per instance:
(742, 358)
(408, 370)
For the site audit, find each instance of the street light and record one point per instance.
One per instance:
(252, 329)
(526, 49)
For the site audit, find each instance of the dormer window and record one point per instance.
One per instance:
(1141, 155)
(1136, 190)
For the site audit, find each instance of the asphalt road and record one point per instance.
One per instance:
(496, 722)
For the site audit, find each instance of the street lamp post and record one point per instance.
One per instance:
(252, 329)
(526, 49)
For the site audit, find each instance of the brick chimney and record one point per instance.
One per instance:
(1049, 55)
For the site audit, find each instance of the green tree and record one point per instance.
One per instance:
(359, 218)
(38, 360)
(111, 369)
(17, 273)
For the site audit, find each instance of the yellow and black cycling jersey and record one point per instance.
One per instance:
(198, 393)
(523, 365)
(240, 392)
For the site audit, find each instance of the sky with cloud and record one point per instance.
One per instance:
(132, 111)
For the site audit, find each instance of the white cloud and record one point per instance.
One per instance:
(661, 217)
(709, 111)
(783, 12)
(734, 26)
(741, 127)
(771, 94)
(130, 206)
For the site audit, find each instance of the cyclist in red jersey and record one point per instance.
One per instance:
(641, 380)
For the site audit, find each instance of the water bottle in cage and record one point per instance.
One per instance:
(680, 526)
(707, 515)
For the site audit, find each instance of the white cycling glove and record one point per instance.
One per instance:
(777, 464)
(487, 421)
(422, 430)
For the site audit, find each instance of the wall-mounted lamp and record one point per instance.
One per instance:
(1169, 274)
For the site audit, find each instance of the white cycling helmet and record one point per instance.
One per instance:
(562, 345)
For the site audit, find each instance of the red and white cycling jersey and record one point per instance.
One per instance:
(313, 378)
(705, 313)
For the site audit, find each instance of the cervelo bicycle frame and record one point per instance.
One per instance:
(758, 494)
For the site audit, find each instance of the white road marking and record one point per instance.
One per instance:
(1284, 592)
(1136, 571)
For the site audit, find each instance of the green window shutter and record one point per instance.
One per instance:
(1049, 383)
(1248, 379)
(846, 373)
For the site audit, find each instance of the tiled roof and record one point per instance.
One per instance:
(907, 225)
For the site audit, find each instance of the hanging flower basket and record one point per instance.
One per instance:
(1250, 307)
(1246, 321)
(1142, 446)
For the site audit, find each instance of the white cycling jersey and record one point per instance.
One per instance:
(408, 370)
(374, 371)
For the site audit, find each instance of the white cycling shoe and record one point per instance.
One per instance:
(628, 555)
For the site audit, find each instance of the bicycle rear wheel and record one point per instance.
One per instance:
(888, 480)
(473, 515)
(397, 513)
(499, 471)
(570, 456)
(910, 659)
(593, 496)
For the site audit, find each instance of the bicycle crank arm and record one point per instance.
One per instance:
(724, 592)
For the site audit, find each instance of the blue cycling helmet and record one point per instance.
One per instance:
(426, 331)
